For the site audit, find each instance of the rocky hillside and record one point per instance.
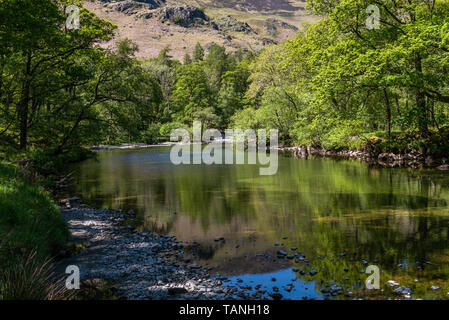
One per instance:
(249, 24)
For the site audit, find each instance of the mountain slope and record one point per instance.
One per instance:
(248, 24)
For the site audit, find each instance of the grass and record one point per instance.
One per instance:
(31, 278)
(31, 230)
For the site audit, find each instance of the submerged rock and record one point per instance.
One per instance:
(281, 253)
(403, 291)
(434, 288)
(392, 283)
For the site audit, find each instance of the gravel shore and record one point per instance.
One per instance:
(144, 266)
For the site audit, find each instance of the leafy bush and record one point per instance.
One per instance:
(167, 128)
(151, 135)
(48, 163)
(29, 220)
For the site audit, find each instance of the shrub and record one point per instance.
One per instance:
(31, 278)
(167, 128)
(29, 220)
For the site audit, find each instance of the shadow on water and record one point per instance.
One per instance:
(322, 207)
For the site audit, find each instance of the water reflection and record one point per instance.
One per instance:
(322, 207)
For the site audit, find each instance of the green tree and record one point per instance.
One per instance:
(191, 93)
(198, 53)
(187, 59)
(232, 94)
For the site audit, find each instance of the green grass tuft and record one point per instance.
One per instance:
(31, 230)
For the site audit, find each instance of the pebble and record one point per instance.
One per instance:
(144, 266)
(392, 283)
(434, 288)
(403, 291)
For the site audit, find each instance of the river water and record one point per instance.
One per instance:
(336, 216)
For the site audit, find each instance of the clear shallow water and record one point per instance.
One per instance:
(300, 289)
(335, 212)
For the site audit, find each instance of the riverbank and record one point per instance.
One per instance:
(143, 266)
(31, 231)
(413, 159)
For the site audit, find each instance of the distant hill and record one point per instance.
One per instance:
(249, 24)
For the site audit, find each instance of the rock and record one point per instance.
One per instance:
(72, 199)
(313, 272)
(183, 15)
(130, 7)
(281, 253)
(443, 167)
(403, 291)
(288, 288)
(228, 23)
(177, 290)
(375, 140)
(276, 296)
(392, 283)
(272, 25)
(268, 42)
(434, 288)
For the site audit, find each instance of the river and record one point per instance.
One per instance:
(336, 217)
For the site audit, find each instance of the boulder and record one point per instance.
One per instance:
(228, 23)
(183, 15)
(128, 7)
(272, 25)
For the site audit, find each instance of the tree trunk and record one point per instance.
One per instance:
(23, 106)
(421, 105)
(388, 113)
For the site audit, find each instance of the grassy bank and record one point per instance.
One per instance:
(31, 231)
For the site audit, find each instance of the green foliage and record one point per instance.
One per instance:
(198, 53)
(151, 135)
(187, 59)
(336, 82)
(29, 220)
(339, 80)
(167, 128)
(191, 93)
(58, 90)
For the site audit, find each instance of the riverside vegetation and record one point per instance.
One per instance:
(336, 86)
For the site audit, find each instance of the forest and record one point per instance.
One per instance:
(338, 84)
